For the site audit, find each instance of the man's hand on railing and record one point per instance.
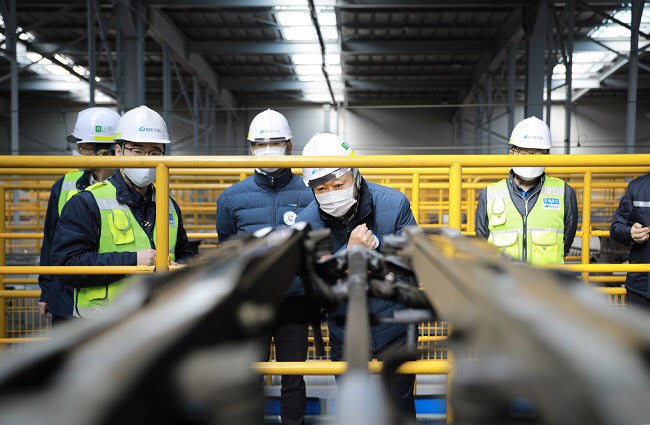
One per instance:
(639, 233)
(146, 257)
(42, 308)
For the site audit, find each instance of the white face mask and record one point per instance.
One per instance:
(528, 173)
(269, 151)
(337, 202)
(141, 177)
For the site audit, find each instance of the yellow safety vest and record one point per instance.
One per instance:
(537, 238)
(69, 187)
(120, 232)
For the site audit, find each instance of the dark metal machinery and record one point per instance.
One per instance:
(178, 348)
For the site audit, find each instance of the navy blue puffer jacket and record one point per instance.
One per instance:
(385, 211)
(262, 201)
(634, 208)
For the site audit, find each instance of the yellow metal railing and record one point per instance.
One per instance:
(453, 181)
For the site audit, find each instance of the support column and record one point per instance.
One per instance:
(570, 11)
(512, 79)
(195, 115)
(91, 51)
(550, 64)
(536, 52)
(131, 27)
(633, 72)
(167, 93)
(11, 39)
(489, 114)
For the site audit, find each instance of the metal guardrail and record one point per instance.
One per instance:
(455, 166)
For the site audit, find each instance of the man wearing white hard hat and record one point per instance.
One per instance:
(529, 216)
(112, 223)
(359, 213)
(272, 197)
(93, 136)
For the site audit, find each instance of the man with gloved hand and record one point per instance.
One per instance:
(112, 223)
(359, 213)
(272, 197)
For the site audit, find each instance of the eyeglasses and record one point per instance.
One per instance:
(86, 150)
(144, 152)
(518, 151)
(274, 144)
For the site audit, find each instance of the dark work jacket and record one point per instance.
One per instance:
(262, 201)
(57, 295)
(76, 242)
(634, 208)
(570, 209)
(385, 211)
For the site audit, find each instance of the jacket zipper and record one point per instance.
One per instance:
(273, 193)
(525, 217)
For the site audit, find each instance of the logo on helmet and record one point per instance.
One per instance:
(144, 129)
(104, 129)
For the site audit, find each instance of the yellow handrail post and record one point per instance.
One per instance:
(162, 218)
(3, 245)
(586, 221)
(455, 184)
(415, 196)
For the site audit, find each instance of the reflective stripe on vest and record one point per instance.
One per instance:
(69, 187)
(544, 224)
(120, 232)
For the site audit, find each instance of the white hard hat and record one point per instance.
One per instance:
(269, 126)
(94, 125)
(326, 144)
(531, 133)
(142, 125)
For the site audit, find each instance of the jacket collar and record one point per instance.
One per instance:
(126, 194)
(84, 180)
(273, 182)
(512, 183)
(362, 209)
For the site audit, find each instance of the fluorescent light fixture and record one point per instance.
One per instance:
(322, 97)
(315, 59)
(329, 33)
(80, 70)
(334, 70)
(326, 18)
(311, 77)
(33, 56)
(299, 33)
(64, 59)
(57, 70)
(308, 70)
(289, 18)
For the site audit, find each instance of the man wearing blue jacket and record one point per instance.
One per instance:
(631, 226)
(93, 135)
(359, 213)
(112, 223)
(272, 197)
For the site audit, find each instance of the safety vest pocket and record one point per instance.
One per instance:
(121, 229)
(506, 242)
(97, 293)
(544, 247)
(499, 212)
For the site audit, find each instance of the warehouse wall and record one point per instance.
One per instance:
(598, 126)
